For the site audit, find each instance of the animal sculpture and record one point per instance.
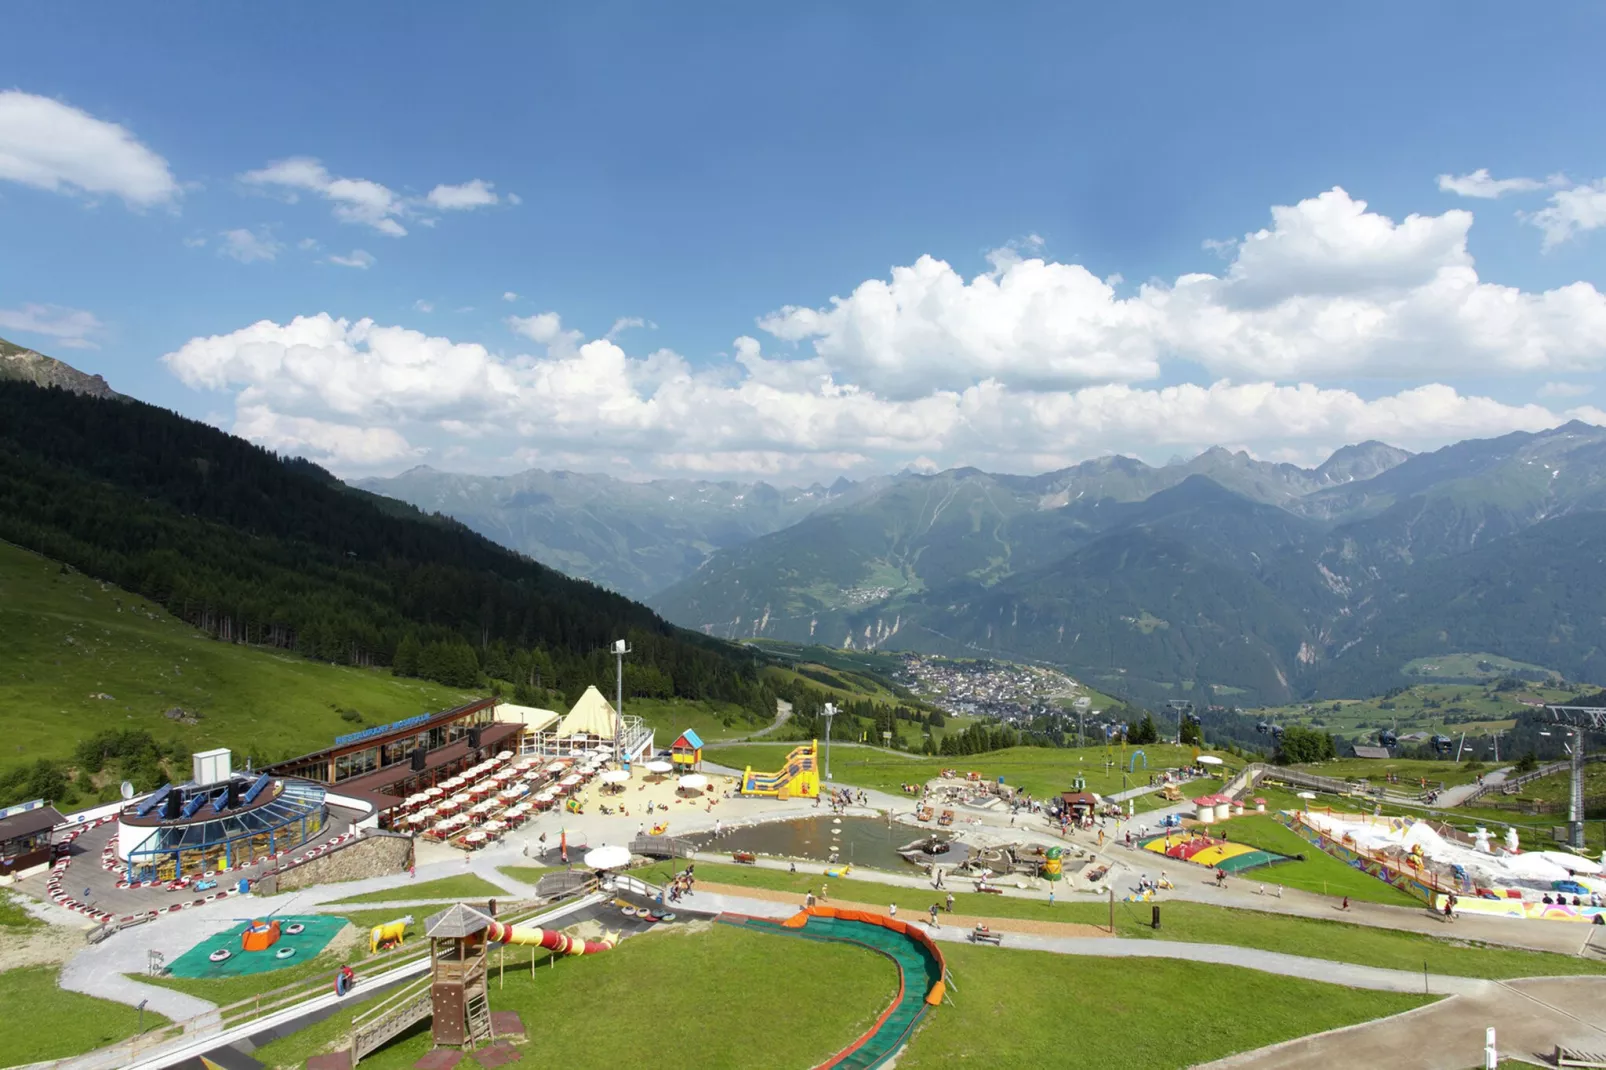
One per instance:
(389, 934)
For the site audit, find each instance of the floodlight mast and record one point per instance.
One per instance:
(1578, 719)
(620, 649)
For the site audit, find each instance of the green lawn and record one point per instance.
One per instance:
(1320, 872)
(462, 886)
(1034, 1008)
(1043, 771)
(720, 997)
(530, 875)
(670, 717)
(14, 920)
(1424, 707)
(42, 1021)
(1335, 941)
(1411, 771)
(68, 639)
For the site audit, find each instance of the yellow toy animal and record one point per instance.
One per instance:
(389, 934)
(660, 828)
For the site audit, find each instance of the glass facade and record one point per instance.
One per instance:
(294, 815)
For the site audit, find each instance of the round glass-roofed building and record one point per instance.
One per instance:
(187, 830)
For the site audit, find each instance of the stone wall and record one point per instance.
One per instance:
(374, 854)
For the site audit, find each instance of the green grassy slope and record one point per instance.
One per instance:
(69, 638)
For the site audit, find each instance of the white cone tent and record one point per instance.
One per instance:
(593, 715)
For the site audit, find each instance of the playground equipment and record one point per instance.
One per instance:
(388, 935)
(798, 779)
(1052, 866)
(548, 939)
(922, 972)
(660, 828)
(260, 935)
(840, 871)
(1132, 764)
(1211, 852)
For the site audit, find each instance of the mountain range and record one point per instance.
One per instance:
(1222, 574)
(636, 538)
(1222, 577)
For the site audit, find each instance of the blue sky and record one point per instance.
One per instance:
(703, 170)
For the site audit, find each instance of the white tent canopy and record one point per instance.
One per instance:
(593, 715)
(694, 782)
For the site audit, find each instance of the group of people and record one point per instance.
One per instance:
(681, 885)
(840, 799)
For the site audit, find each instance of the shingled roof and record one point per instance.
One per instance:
(456, 921)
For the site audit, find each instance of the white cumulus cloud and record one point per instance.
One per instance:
(1572, 211)
(1030, 365)
(54, 146)
(476, 193)
(1330, 290)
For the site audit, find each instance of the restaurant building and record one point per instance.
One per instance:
(25, 838)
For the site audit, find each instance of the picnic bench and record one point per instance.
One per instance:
(983, 935)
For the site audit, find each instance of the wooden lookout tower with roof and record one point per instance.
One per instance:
(458, 988)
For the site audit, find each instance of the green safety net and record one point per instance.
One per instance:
(920, 970)
(317, 931)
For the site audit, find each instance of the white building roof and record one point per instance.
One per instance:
(532, 718)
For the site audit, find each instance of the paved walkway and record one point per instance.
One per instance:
(1530, 1018)
(1457, 795)
(1354, 976)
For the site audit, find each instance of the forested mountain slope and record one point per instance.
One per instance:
(254, 547)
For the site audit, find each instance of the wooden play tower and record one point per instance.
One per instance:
(459, 993)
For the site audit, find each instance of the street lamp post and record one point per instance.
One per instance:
(828, 712)
(620, 649)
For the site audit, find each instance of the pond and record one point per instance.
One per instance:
(859, 841)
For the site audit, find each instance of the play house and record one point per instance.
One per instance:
(687, 751)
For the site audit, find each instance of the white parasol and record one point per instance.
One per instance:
(556, 767)
(1209, 759)
(659, 766)
(503, 756)
(570, 781)
(416, 800)
(454, 782)
(607, 857)
(615, 776)
(1307, 795)
(434, 793)
(511, 793)
(694, 782)
(448, 805)
(485, 807)
(475, 837)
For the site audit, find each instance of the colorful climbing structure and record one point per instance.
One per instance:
(1212, 853)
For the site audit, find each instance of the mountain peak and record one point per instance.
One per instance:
(25, 365)
(1363, 460)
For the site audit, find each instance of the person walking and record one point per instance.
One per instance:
(950, 902)
(894, 910)
(934, 916)
(823, 897)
